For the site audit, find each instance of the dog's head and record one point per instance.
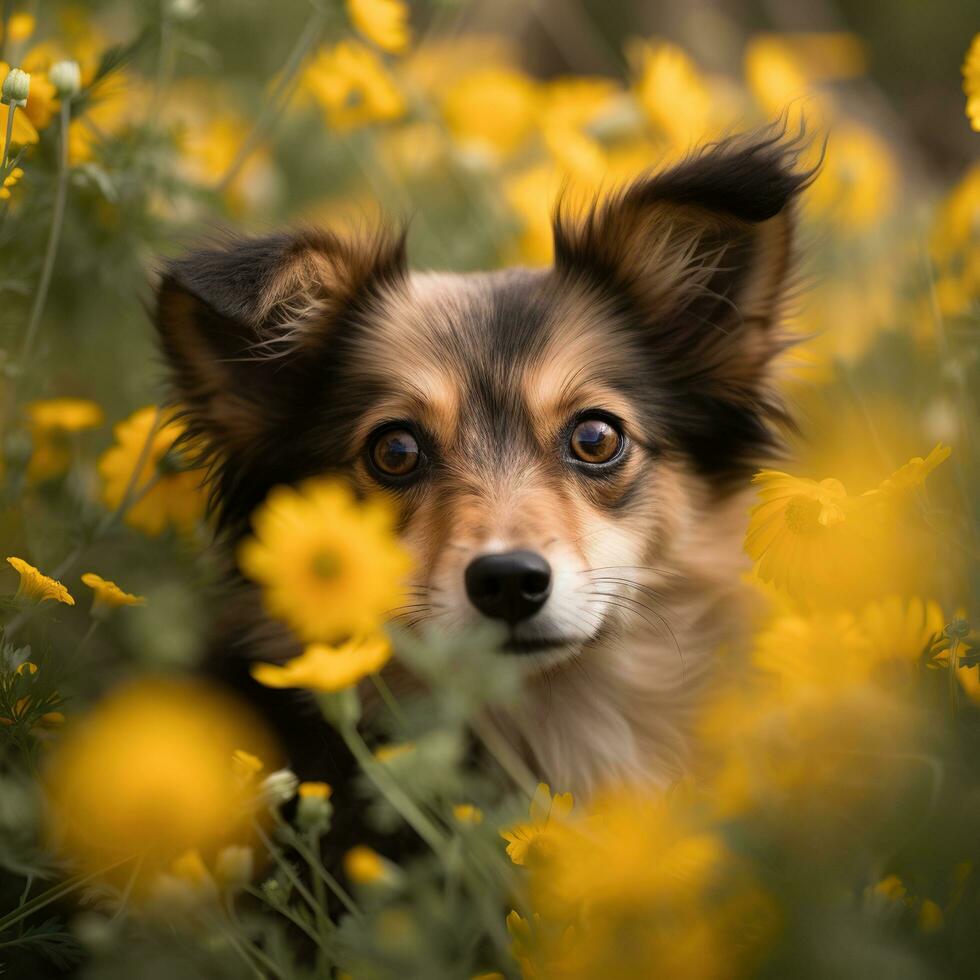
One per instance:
(539, 430)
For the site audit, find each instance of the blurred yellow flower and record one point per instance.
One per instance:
(364, 866)
(314, 791)
(954, 245)
(324, 668)
(491, 112)
(145, 774)
(971, 82)
(352, 86)
(42, 102)
(900, 629)
(36, 586)
(245, 764)
(209, 133)
(166, 490)
(777, 77)
(23, 132)
(20, 27)
(9, 181)
(392, 751)
(857, 184)
(108, 595)
(329, 565)
(467, 813)
(383, 22)
(546, 812)
(672, 93)
(636, 866)
(813, 540)
(51, 422)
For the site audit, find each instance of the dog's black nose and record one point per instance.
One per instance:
(511, 586)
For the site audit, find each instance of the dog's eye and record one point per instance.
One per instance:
(595, 441)
(395, 452)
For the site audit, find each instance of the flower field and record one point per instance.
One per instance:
(151, 824)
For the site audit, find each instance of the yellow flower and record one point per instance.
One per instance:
(324, 668)
(209, 134)
(392, 751)
(467, 813)
(51, 423)
(34, 585)
(42, 101)
(971, 82)
(778, 78)
(352, 86)
(383, 22)
(900, 629)
(329, 566)
(813, 540)
(9, 182)
(857, 184)
(64, 414)
(108, 595)
(364, 866)
(245, 764)
(672, 93)
(145, 774)
(546, 812)
(491, 112)
(314, 791)
(23, 132)
(913, 474)
(166, 490)
(20, 27)
(955, 245)
(634, 866)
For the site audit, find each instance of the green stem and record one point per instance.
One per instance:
(89, 633)
(391, 702)
(54, 894)
(954, 664)
(389, 788)
(307, 850)
(11, 109)
(247, 950)
(304, 44)
(289, 870)
(286, 914)
(57, 221)
(504, 755)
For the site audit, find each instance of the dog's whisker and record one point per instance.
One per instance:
(634, 605)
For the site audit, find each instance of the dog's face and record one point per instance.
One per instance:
(540, 431)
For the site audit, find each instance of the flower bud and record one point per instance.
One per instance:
(66, 77)
(278, 787)
(314, 809)
(16, 88)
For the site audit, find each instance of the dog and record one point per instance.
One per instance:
(569, 448)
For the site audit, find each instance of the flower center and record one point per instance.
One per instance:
(326, 565)
(802, 513)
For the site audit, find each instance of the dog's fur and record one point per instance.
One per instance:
(662, 310)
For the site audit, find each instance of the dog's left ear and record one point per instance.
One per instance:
(700, 256)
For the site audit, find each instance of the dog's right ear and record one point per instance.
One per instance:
(241, 325)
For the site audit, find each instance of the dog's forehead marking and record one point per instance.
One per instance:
(498, 358)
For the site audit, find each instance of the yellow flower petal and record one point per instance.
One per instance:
(36, 585)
